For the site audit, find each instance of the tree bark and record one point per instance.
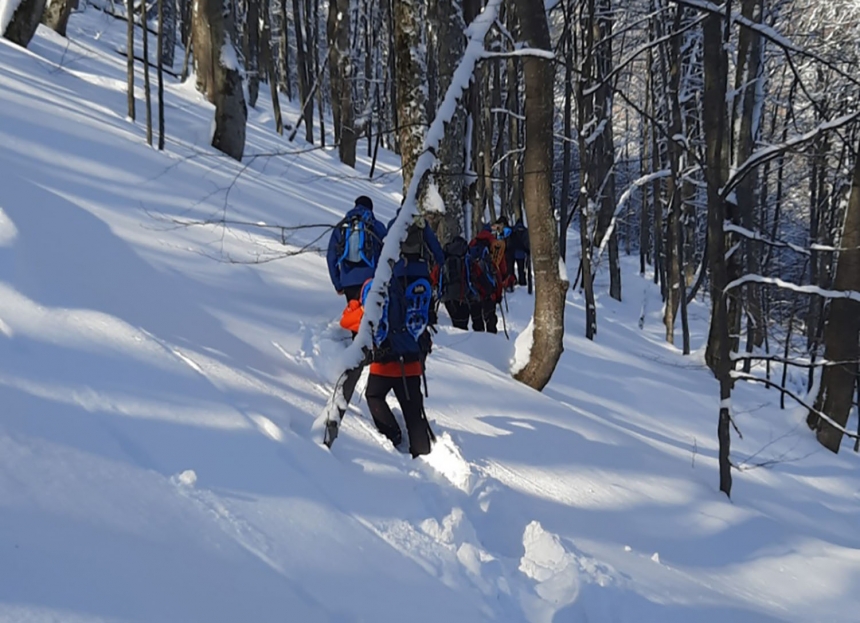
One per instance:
(411, 79)
(842, 331)
(550, 286)
(218, 76)
(160, 67)
(129, 66)
(56, 15)
(450, 26)
(340, 70)
(147, 92)
(25, 21)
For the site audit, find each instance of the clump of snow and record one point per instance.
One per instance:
(434, 201)
(8, 233)
(7, 11)
(188, 478)
(544, 554)
(448, 461)
(656, 557)
(229, 60)
(523, 348)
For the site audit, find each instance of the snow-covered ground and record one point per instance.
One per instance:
(158, 390)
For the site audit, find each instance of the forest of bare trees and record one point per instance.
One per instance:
(717, 143)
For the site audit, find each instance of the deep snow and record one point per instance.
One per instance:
(157, 395)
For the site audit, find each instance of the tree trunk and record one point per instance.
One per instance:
(56, 15)
(842, 331)
(159, 53)
(268, 59)
(25, 21)
(252, 52)
(450, 26)
(341, 79)
(303, 71)
(218, 76)
(411, 79)
(714, 118)
(147, 94)
(129, 59)
(550, 285)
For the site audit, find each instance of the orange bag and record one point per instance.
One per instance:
(351, 317)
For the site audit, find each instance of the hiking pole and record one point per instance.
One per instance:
(504, 324)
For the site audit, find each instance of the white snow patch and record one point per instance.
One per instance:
(188, 478)
(448, 461)
(523, 348)
(229, 60)
(267, 427)
(7, 11)
(8, 233)
(434, 201)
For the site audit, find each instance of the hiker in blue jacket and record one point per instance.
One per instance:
(419, 252)
(354, 249)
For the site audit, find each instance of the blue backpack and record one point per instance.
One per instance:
(405, 318)
(358, 242)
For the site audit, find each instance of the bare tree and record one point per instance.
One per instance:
(550, 284)
(218, 76)
(411, 79)
(341, 80)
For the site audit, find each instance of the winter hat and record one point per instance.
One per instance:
(364, 201)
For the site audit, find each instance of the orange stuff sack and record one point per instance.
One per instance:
(351, 317)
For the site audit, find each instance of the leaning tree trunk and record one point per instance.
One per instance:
(411, 79)
(24, 22)
(450, 25)
(550, 285)
(341, 77)
(57, 13)
(218, 76)
(842, 331)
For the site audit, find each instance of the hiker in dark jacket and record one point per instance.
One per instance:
(354, 249)
(451, 278)
(521, 250)
(419, 252)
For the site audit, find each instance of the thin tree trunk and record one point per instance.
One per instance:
(160, 69)
(341, 80)
(268, 60)
(146, 89)
(129, 66)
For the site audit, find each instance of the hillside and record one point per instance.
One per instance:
(159, 381)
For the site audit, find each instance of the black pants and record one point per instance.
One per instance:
(522, 276)
(352, 293)
(459, 312)
(408, 392)
(484, 316)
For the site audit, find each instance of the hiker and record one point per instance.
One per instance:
(518, 242)
(451, 278)
(354, 249)
(419, 254)
(501, 250)
(397, 363)
(486, 276)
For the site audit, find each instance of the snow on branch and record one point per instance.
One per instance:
(622, 201)
(787, 285)
(730, 227)
(357, 352)
(771, 152)
(520, 52)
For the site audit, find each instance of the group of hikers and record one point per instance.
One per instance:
(469, 278)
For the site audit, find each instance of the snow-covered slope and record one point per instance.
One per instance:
(157, 393)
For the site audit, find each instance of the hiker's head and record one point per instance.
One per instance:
(365, 202)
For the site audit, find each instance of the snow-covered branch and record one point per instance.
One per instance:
(622, 201)
(520, 52)
(787, 285)
(730, 227)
